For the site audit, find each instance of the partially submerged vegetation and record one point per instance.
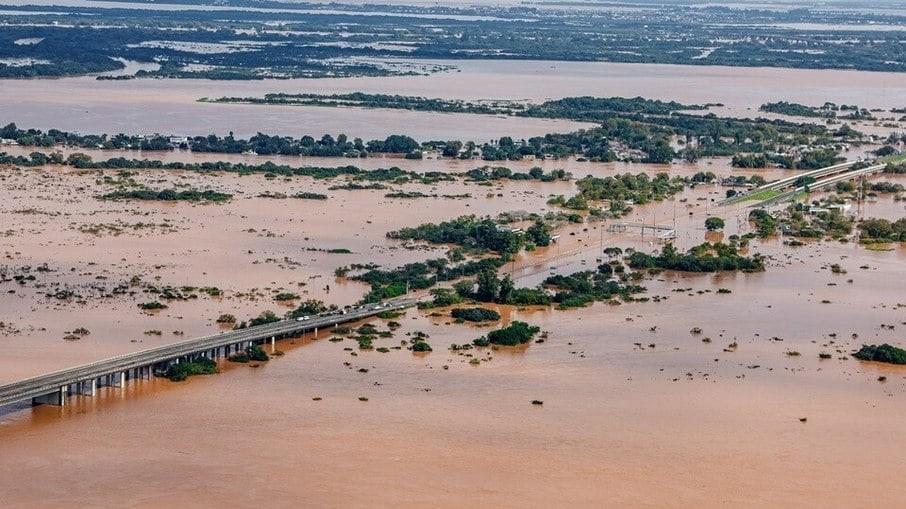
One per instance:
(365, 100)
(636, 129)
(814, 158)
(200, 366)
(883, 230)
(580, 289)
(252, 353)
(826, 219)
(470, 235)
(765, 223)
(816, 222)
(168, 195)
(620, 192)
(881, 353)
(469, 232)
(475, 314)
(828, 110)
(517, 333)
(706, 257)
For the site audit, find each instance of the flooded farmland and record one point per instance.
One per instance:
(169, 106)
(633, 406)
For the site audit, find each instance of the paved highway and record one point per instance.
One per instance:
(59, 381)
(819, 184)
(788, 181)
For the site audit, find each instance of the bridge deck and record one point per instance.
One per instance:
(820, 184)
(788, 181)
(45, 384)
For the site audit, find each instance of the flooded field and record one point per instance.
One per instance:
(170, 107)
(631, 398)
(763, 406)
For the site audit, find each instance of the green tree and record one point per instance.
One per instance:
(488, 286)
(539, 234)
(506, 289)
(714, 223)
(659, 152)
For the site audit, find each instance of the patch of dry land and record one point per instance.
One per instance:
(705, 389)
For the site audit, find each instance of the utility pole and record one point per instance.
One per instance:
(601, 231)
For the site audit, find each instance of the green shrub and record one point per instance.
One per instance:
(148, 306)
(183, 370)
(516, 334)
(264, 318)
(226, 318)
(421, 346)
(475, 314)
(256, 353)
(239, 357)
(883, 353)
(714, 223)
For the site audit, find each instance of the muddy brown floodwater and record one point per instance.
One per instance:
(169, 106)
(637, 410)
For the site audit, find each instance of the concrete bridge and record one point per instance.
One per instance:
(54, 388)
(791, 180)
(818, 185)
(786, 188)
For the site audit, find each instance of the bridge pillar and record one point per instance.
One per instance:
(119, 379)
(56, 398)
(273, 344)
(87, 388)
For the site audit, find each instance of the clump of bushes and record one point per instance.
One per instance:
(475, 314)
(256, 353)
(420, 345)
(263, 319)
(517, 333)
(703, 258)
(443, 297)
(881, 353)
(252, 353)
(183, 370)
(168, 195)
(226, 318)
(308, 308)
(764, 222)
(883, 230)
(714, 223)
(150, 306)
